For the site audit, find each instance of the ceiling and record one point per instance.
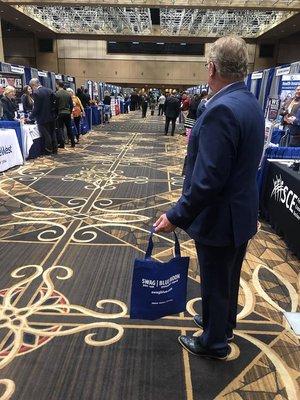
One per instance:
(244, 4)
(138, 21)
(250, 19)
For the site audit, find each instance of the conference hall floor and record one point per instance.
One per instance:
(71, 227)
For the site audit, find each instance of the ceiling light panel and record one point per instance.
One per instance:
(214, 23)
(173, 21)
(91, 20)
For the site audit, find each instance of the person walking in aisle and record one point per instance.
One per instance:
(161, 104)
(203, 100)
(64, 105)
(86, 98)
(77, 112)
(144, 104)
(152, 101)
(218, 207)
(185, 105)
(44, 112)
(172, 110)
(126, 104)
(107, 107)
(133, 101)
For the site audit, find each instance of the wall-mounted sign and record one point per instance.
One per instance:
(256, 75)
(288, 86)
(17, 70)
(273, 108)
(43, 74)
(5, 67)
(10, 80)
(283, 71)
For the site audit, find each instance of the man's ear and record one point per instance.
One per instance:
(212, 70)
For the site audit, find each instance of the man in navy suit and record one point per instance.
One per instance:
(218, 207)
(44, 114)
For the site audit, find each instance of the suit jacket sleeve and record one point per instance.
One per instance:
(36, 105)
(178, 108)
(217, 150)
(71, 105)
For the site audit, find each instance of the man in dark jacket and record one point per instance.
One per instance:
(86, 98)
(44, 113)
(219, 203)
(172, 110)
(294, 128)
(291, 114)
(64, 104)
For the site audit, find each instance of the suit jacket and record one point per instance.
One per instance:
(172, 107)
(44, 105)
(219, 203)
(9, 108)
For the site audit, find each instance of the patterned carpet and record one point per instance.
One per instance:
(71, 226)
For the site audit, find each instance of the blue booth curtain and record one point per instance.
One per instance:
(265, 88)
(275, 86)
(255, 87)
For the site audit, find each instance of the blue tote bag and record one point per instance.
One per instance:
(159, 288)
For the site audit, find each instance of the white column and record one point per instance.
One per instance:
(1, 44)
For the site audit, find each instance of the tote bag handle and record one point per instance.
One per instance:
(150, 246)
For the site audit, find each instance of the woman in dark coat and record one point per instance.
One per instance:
(8, 103)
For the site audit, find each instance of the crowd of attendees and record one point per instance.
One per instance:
(174, 105)
(58, 114)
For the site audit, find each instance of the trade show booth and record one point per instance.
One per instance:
(279, 177)
(20, 140)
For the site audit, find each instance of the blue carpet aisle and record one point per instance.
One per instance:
(71, 226)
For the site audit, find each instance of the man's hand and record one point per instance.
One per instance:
(289, 120)
(164, 225)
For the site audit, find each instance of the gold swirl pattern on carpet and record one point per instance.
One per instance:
(70, 228)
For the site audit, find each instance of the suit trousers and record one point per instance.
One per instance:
(65, 120)
(161, 109)
(220, 269)
(77, 124)
(144, 110)
(168, 120)
(47, 131)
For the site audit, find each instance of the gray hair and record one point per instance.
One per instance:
(230, 56)
(71, 91)
(34, 82)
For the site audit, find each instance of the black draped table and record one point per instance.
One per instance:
(281, 202)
